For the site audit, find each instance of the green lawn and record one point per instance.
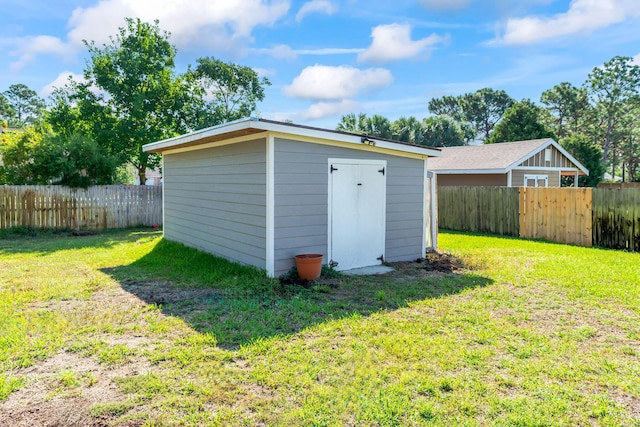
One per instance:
(123, 328)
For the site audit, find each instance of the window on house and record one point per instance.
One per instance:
(536, 180)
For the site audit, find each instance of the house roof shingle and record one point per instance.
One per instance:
(486, 156)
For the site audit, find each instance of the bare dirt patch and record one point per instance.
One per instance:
(47, 401)
(433, 264)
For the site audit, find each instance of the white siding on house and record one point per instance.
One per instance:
(301, 201)
(214, 200)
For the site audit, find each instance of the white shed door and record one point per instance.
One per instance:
(357, 209)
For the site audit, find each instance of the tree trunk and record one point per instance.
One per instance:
(607, 142)
(142, 175)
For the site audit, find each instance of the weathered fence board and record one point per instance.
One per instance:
(558, 214)
(616, 218)
(107, 206)
(479, 209)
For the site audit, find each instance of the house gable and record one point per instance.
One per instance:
(549, 157)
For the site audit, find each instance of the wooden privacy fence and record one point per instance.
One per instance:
(479, 209)
(616, 218)
(557, 214)
(604, 217)
(106, 206)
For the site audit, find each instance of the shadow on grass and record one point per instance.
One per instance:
(239, 304)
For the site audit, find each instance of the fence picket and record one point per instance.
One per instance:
(99, 207)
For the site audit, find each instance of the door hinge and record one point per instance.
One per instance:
(381, 259)
(381, 171)
(332, 169)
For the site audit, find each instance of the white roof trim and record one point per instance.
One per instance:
(286, 128)
(470, 171)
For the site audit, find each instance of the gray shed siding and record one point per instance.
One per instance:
(215, 200)
(301, 201)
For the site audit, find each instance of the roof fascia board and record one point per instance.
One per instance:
(316, 134)
(469, 171)
(349, 144)
(199, 134)
(546, 169)
(236, 140)
(570, 157)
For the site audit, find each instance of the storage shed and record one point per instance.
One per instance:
(533, 163)
(260, 192)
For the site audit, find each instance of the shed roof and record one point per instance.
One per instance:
(494, 158)
(255, 126)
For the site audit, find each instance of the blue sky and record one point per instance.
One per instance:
(326, 58)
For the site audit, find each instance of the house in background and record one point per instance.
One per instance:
(154, 177)
(534, 163)
(260, 192)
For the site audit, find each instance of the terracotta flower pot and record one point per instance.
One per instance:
(309, 266)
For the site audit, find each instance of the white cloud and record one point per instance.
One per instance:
(636, 59)
(445, 4)
(327, 109)
(583, 16)
(324, 82)
(223, 24)
(31, 47)
(185, 19)
(316, 6)
(393, 42)
(283, 51)
(60, 81)
(265, 72)
(329, 51)
(280, 51)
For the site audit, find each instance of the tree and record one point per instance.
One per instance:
(407, 129)
(33, 157)
(377, 126)
(131, 96)
(355, 123)
(7, 113)
(26, 107)
(235, 89)
(76, 161)
(442, 131)
(520, 122)
(16, 149)
(627, 142)
(437, 131)
(612, 88)
(446, 106)
(589, 155)
(485, 108)
(568, 107)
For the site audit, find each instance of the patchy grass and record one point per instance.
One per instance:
(124, 328)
